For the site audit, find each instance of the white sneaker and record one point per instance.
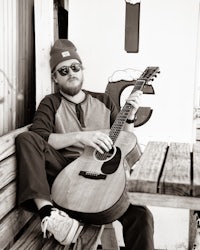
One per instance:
(60, 225)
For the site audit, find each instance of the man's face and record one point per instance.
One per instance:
(69, 79)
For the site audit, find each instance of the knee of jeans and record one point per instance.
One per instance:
(146, 216)
(23, 137)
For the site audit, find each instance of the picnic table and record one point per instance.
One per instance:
(167, 175)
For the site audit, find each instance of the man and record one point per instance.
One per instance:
(63, 125)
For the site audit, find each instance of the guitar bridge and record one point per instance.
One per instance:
(92, 175)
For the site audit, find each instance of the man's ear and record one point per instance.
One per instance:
(54, 77)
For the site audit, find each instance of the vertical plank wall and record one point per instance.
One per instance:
(25, 63)
(17, 83)
(8, 70)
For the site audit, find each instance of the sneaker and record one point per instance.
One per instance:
(60, 225)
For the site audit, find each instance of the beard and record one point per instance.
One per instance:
(72, 90)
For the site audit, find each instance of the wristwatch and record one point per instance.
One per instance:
(130, 121)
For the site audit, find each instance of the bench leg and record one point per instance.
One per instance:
(196, 245)
(89, 237)
(108, 238)
(194, 231)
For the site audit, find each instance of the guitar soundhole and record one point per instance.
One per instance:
(109, 167)
(106, 156)
(111, 160)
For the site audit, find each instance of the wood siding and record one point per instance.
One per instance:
(17, 81)
(8, 70)
(26, 62)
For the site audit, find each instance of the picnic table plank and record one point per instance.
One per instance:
(176, 178)
(164, 200)
(146, 172)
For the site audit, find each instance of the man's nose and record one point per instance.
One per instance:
(71, 72)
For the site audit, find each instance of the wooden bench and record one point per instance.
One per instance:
(20, 229)
(168, 175)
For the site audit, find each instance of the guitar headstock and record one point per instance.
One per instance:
(149, 74)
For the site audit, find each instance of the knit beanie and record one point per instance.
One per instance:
(62, 50)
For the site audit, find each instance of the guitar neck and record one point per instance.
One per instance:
(124, 113)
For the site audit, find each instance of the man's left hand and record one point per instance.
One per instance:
(134, 99)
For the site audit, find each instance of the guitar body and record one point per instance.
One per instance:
(93, 190)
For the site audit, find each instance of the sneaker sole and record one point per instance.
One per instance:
(68, 240)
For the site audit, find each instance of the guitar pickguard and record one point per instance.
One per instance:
(109, 167)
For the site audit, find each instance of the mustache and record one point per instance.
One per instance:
(73, 90)
(73, 78)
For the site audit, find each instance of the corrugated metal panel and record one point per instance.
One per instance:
(26, 63)
(8, 70)
(17, 79)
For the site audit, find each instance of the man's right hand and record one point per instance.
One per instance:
(96, 139)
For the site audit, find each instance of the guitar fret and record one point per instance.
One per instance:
(119, 122)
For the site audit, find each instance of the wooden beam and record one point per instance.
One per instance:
(44, 37)
(164, 200)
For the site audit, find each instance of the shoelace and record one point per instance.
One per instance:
(45, 222)
(46, 234)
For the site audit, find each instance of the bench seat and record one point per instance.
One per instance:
(21, 229)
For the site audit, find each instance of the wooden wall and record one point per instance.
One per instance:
(198, 129)
(25, 63)
(17, 80)
(8, 71)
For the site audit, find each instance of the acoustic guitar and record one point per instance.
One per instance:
(92, 188)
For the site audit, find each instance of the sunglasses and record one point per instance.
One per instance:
(64, 71)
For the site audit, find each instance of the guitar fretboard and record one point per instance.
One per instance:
(124, 113)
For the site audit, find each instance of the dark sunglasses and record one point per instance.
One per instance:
(75, 67)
